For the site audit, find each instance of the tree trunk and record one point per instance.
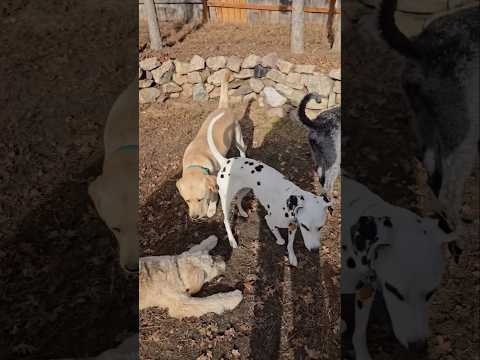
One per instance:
(153, 30)
(298, 24)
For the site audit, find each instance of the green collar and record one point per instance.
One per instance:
(128, 147)
(204, 169)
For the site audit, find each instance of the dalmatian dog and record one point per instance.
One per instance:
(325, 141)
(391, 250)
(287, 205)
(440, 80)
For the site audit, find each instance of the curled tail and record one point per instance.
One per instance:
(211, 144)
(301, 110)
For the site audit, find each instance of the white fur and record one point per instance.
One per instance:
(273, 190)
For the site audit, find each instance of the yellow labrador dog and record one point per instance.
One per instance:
(168, 282)
(198, 183)
(115, 191)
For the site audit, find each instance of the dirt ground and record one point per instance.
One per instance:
(378, 150)
(287, 313)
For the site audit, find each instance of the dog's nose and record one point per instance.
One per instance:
(418, 347)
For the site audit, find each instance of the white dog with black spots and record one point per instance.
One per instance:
(287, 205)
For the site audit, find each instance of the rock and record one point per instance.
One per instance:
(272, 97)
(335, 74)
(209, 88)
(244, 74)
(331, 100)
(148, 75)
(236, 99)
(338, 99)
(235, 84)
(337, 87)
(145, 83)
(295, 80)
(304, 69)
(284, 90)
(217, 77)
(261, 102)
(197, 63)
(270, 60)
(215, 93)
(148, 95)
(296, 97)
(320, 84)
(150, 63)
(234, 63)
(174, 95)
(180, 79)
(216, 62)
(277, 76)
(268, 82)
(171, 87)
(182, 68)
(276, 112)
(256, 85)
(199, 93)
(313, 105)
(194, 77)
(243, 90)
(260, 71)
(251, 61)
(187, 90)
(250, 97)
(164, 73)
(285, 66)
(140, 72)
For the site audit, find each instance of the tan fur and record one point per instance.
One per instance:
(168, 282)
(197, 188)
(115, 191)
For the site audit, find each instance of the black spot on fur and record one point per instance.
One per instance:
(241, 167)
(364, 260)
(286, 215)
(258, 183)
(388, 222)
(442, 224)
(351, 263)
(252, 172)
(301, 197)
(246, 162)
(228, 161)
(359, 304)
(364, 232)
(325, 198)
(259, 168)
(292, 202)
(268, 206)
(222, 176)
(344, 247)
(251, 163)
(223, 170)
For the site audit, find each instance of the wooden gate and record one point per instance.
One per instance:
(230, 11)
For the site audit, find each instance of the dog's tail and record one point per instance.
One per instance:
(211, 143)
(223, 103)
(302, 116)
(390, 32)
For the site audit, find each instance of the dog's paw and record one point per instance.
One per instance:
(233, 243)
(292, 259)
(212, 209)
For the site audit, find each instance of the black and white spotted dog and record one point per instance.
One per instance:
(325, 141)
(440, 80)
(392, 250)
(287, 205)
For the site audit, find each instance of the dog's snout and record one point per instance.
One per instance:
(418, 347)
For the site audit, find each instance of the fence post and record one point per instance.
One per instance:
(153, 30)
(298, 24)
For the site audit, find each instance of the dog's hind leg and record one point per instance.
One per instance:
(330, 177)
(362, 314)
(226, 201)
(274, 229)
(217, 303)
(239, 140)
(240, 195)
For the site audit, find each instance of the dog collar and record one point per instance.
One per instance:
(203, 168)
(128, 147)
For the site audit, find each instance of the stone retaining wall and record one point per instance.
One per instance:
(272, 82)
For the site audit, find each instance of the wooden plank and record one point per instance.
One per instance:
(173, 2)
(222, 4)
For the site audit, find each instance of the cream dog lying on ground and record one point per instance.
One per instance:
(168, 282)
(198, 183)
(115, 191)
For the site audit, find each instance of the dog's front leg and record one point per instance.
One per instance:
(239, 140)
(274, 229)
(363, 304)
(212, 206)
(217, 303)
(292, 258)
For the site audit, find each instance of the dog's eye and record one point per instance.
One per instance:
(394, 291)
(200, 200)
(429, 295)
(320, 228)
(116, 229)
(306, 228)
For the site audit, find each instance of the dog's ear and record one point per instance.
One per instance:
(212, 183)
(295, 203)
